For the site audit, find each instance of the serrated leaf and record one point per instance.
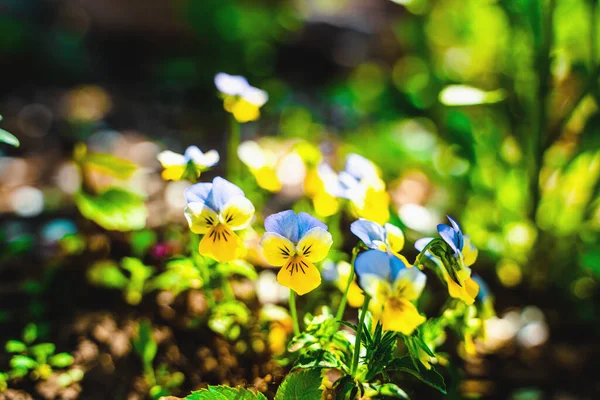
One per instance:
(9, 138)
(109, 165)
(304, 385)
(22, 362)
(115, 209)
(61, 360)
(428, 376)
(108, 274)
(225, 393)
(238, 267)
(15, 346)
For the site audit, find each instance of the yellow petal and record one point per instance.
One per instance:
(315, 245)
(300, 275)
(267, 179)
(244, 111)
(173, 173)
(220, 243)
(237, 213)
(325, 204)
(471, 288)
(375, 206)
(469, 252)
(200, 217)
(276, 249)
(375, 286)
(355, 295)
(395, 238)
(461, 292)
(400, 315)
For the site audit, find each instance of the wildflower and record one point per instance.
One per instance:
(339, 274)
(193, 162)
(320, 186)
(393, 287)
(239, 97)
(359, 182)
(216, 210)
(296, 242)
(458, 275)
(388, 238)
(261, 163)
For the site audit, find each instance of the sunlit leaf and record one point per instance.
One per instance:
(225, 393)
(9, 138)
(115, 209)
(238, 267)
(22, 362)
(61, 360)
(108, 274)
(463, 95)
(144, 344)
(303, 385)
(428, 376)
(15, 346)
(109, 165)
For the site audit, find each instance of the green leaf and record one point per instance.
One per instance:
(9, 138)
(61, 360)
(428, 376)
(304, 385)
(15, 346)
(114, 209)
(22, 362)
(392, 390)
(141, 241)
(42, 351)
(144, 344)
(225, 393)
(110, 165)
(228, 318)
(108, 274)
(30, 333)
(238, 267)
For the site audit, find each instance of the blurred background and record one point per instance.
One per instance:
(485, 110)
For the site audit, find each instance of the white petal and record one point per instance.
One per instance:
(233, 85)
(255, 96)
(169, 158)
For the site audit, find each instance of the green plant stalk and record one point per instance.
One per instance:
(294, 313)
(340, 312)
(149, 373)
(359, 328)
(233, 162)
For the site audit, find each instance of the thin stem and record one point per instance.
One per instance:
(294, 313)
(340, 312)
(359, 328)
(233, 163)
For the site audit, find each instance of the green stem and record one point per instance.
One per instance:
(233, 162)
(294, 313)
(340, 312)
(359, 328)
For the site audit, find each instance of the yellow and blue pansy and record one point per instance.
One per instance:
(240, 98)
(193, 161)
(360, 183)
(295, 242)
(460, 284)
(393, 287)
(388, 238)
(216, 210)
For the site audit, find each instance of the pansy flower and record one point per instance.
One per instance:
(217, 210)
(361, 183)
(388, 238)
(459, 281)
(295, 242)
(393, 287)
(241, 99)
(192, 162)
(262, 163)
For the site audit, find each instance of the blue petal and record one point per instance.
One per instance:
(193, 153)
(284, 223)
(306, 222)
(359, 167)
(367, 231)
(421, 243)
(198, 192)
(459, 233)
(397, 266)
(222, 192)
(450, 236)
(373, 262)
